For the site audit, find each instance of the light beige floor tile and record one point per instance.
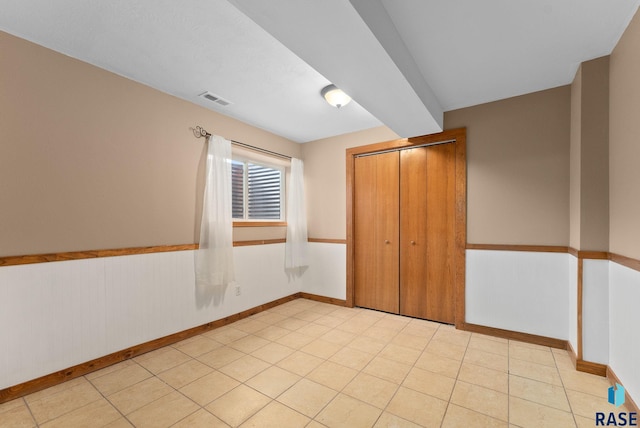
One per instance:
(538, 355)
(308, 316)
(220, 357)
(276, 415)
(482, 400)
(271, 317)
(372, 390)
(383, 333)
(295, 340)
(206, 389)
(346, 313)
(98, 373)
(387, 369)
(535, 371)
(248, 344)
(300, 363)
(307, 397)
(162, 359)
(292, 324)
(15, 414)
(244, 368)
(438, 364)
(563, 361)
(410, 341)
(388, 420)
(330, 321)
(273, 381)
(52, 406)
(492, 338)
(352, 358)
(314, 330)
(333, 375)
(184, 374)
(96, 414)
(487, 359)
(446, 349)
(453, 336)
(429, 383)
(345, 411)
(416, 407)
(138, 395)
(582, 422)
(200, 419)
(370, 345)
(250, 326)
(399, 353)
(339, 337)
(273, 352)
(517, 343)
(120, 379)
(488, 345)
(196, 346)
(539, 392)
(528, 414)
(321, 348)
(272, 332)
(392, 322)
(488, 378)
(226, 334)
(354, 326)
(459, 417)
(587, 405)
(163, 412)
(238, 405)
(119, 423)
(584, 382)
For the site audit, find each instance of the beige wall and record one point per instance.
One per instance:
(574, 162)
(325, 180)
(91, 160)
(624, 143)
(517, 168)
(594, 156)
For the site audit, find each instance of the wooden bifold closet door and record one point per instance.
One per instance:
(404, 232)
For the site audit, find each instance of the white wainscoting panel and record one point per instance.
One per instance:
(60, 314)
(572, 309)
(521, 291)
(624, 324)
(327, 272)
(595, 311)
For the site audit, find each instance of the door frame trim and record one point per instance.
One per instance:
(460, 137)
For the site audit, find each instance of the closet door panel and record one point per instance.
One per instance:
(413, 232)
(376, 200)
(441, 204)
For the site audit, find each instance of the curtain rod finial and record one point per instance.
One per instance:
(199, 131)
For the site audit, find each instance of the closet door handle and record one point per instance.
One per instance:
(413, 242)
(386, 241)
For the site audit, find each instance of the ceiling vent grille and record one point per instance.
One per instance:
(215, 98)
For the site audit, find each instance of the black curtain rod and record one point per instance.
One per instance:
(199, 132)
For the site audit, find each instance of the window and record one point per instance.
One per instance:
(257, 191)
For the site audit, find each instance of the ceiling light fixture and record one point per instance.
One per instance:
(335, 96)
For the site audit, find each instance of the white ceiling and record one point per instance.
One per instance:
(404, 62)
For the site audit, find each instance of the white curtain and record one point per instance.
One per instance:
(214, 259)
(296, 245)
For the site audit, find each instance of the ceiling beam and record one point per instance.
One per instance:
(356, 47)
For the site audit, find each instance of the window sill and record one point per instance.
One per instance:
(259, 224)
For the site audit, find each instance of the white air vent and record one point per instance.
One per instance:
(215, 98)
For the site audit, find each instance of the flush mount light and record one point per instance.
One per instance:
(335, 96)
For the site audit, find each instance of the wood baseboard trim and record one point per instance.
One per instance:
(328, 241)
(572, 354)
(629, 402)
(258, 242)
(323, 299)
(515, 335)
(61, 376)
(531, 248)
(593, 368)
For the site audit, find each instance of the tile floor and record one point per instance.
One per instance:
(312, 364)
